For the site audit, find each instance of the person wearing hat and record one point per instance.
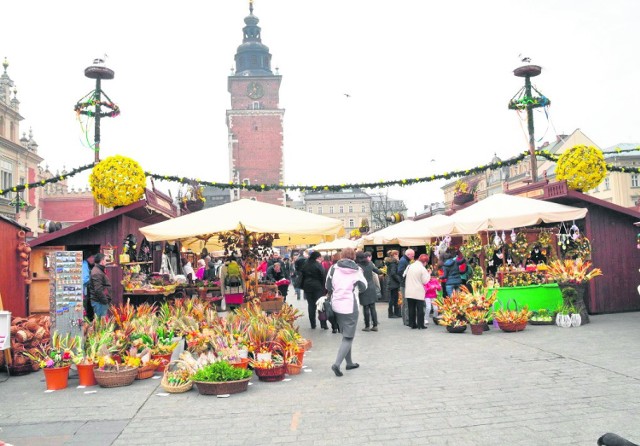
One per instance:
(416, 276)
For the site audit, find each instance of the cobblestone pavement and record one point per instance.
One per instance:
(543, 386)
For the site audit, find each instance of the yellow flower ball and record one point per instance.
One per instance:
(117, 181)
(583, 167)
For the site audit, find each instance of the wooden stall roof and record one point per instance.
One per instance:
(15, 223)
(149, 211)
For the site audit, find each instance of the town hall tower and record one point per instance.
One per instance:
(254, 121)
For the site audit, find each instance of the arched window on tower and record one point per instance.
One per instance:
(253, 60)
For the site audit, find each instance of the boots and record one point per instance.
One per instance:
(397, 311)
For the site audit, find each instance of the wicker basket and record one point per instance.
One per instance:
(511, 327)
(175, 389)
(116, 378)
(146, 372)
(222, 388)
(23, 369)
(293, 369)
(270, 375)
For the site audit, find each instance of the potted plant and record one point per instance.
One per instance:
(221, 378)
(573, 274)
(463, 192)
(477, 317)
(100, 334)
(56, 358)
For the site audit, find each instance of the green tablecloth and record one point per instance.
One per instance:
(536, 297)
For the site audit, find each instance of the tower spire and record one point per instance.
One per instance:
(251, 7)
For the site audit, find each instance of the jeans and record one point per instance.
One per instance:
(451, 289)
(370, 312)
(100, 310)
(298, 292)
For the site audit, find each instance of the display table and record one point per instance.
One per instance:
(536, 297)
(137, 297)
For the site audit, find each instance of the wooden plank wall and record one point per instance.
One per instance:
(12, 286)
(111, 232)
(614, 251)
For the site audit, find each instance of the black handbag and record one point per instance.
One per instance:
(326, 306)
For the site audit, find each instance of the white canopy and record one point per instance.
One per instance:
(422, 231)
(200, 229)
(502, 211)
(391, 235)
(337, 244)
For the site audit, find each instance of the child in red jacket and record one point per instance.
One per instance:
(431, 289)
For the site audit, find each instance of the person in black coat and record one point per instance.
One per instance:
(313, 285)
(394, 280)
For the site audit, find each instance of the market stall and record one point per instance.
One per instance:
(246, 228)
(107, 233)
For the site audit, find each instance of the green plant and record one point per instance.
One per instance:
(220, 371)
(60, 353)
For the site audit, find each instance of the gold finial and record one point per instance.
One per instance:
(251, 7)
(5, 64)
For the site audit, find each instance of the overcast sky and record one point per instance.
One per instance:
(427, 81)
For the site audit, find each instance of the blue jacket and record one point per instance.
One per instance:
(452, 272)
(402, 265)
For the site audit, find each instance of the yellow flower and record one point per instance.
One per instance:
(583, 167)
(117, 181)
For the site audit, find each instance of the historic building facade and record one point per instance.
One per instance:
(19, 158)
(255, 120)
(351, 206)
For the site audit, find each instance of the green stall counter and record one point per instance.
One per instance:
(536, 297)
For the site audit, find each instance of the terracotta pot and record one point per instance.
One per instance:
(477, 329)
(300, 356)
(24, 263)
(21, 246)
(24, 255)
(27, 281)
(164, 360)
(86, 377)
(27, 249)
(21, 234)
(57, 378)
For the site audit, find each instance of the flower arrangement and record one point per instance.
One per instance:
(117, 181)
(520, 247)
(472, 247)
(453, 309)
(583, 167)
(462, 187)
(59, 353)
(513, 316)
(572, 271)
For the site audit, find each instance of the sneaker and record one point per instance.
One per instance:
(374, 328)
(366, 329)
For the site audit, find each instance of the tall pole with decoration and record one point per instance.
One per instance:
(525, 100)
(93, 106)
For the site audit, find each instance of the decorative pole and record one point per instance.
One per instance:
(524, 100)
(97, 71)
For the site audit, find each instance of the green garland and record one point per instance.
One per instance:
(335, 187)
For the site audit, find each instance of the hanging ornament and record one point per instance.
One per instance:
(497, 241)
(575, 232)
(513, 236)
(504, 237)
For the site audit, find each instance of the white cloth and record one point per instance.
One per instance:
(320, 303)
(416, 275)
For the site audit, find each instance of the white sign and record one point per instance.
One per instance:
(5, 333)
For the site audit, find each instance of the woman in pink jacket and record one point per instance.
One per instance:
(345, 281)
